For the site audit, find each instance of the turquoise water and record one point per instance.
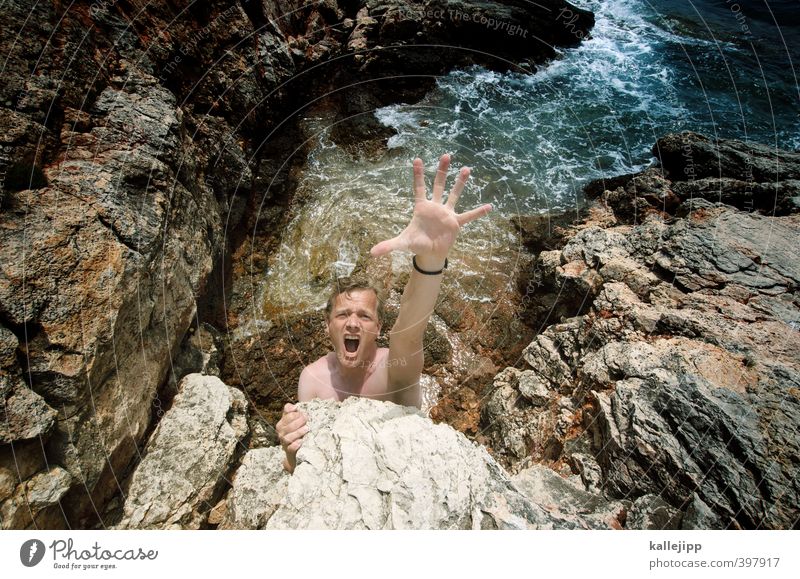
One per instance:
(722, 68)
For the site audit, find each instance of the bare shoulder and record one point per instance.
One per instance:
(313, 380)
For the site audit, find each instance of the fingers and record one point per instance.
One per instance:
(455, 192)
(473, 214)
(294, 447)
(441, 177)
(295, 436)
(385, 247)
(419, 180)
(290, 423)
(289, 407)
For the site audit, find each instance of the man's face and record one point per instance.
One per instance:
(353, 327)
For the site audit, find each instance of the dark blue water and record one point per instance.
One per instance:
(726, 69)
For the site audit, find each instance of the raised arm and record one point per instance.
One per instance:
(431, 233)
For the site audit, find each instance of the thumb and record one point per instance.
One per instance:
(385, 247)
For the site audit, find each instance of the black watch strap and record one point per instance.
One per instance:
(422, 271)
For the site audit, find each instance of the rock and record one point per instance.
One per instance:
(718, 246)
(104, 266)
(376, 465)
(689, 156)
(542, 232)
(25, 414)
(187, 458)
(545, 358)
(682, 433)
(772, 197)
(262, 432)
(564, 500)
(749, 176)
(698, 515)
(8, 348)
(651, 512)
(516, 428)
(200, 353)
(634, 196)
(258, 489)
(588, 469)
(532, 387)
(35, 502)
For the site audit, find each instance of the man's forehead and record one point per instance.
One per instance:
(364, 298)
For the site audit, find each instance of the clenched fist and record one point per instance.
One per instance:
(291, 428)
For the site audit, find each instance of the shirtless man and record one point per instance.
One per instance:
(357, 367)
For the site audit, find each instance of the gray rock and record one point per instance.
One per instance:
(25, 414)
(682, 370)
(563, 500)
(726, 246)
(651, 512)
(516, 428)
(200, 353)
(262, 432)
(258, 489)
(187, 458)
(544, 357)
(690, 156)
(532, 387)
(595, 247)
(376, 465)
(680, 431)
(588, 469)
(699, 515)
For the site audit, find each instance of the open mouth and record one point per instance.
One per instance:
(351, 345)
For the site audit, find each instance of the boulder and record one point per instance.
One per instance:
(376, 465)
(564, 499)
(188, 458)
(688, 156)
(34, 504)
(748, 176)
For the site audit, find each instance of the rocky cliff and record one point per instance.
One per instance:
(137, 140)
(668, 360)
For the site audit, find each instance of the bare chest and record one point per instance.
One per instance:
(375, 385)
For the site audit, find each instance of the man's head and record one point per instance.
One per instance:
(354, 315)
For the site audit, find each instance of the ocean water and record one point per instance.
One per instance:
(726, 69)
(650, 67)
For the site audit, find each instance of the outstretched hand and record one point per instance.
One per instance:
(435, 225)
